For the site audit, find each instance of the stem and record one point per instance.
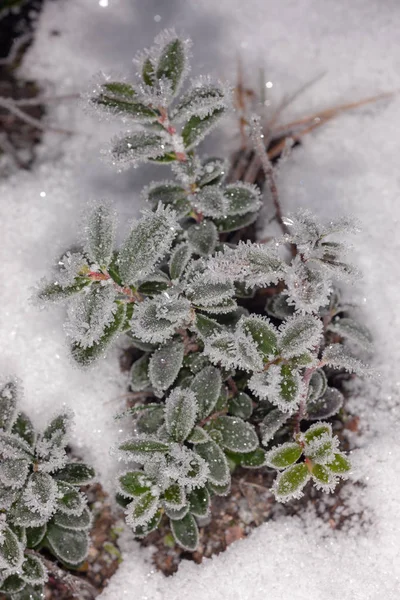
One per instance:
(306, 381)
(13, 109)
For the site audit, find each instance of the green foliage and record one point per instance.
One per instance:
(40, 502)
(224, 380)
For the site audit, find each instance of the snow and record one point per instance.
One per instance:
(349, 166)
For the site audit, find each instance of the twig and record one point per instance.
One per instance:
(18, 43)
(7, 147)
(13, 109)
(257, 137)
(44, 100)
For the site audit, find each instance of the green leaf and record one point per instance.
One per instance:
(319, 430)
(262, 332)
(33, 570)
(75, 522)
(237, 435)
(134, 483)
(214, 171)
(320, 474)
(180, 413)
(142, 509)
(150, 421)
(149, 240)
(57, 429)
(119, 88)
(165, 364)
(199, 502)
(139, 379)
(169, 193)
(148, 74)
(176, 515)
(197, 128)
(340, 464)
(8, 404)
(289, 386)
(34, 535)
(242, 198)
(41, 490)
(206, 326)
(70, 501)
(11, 555)
(220, 490)
(320, 450)
(229, 223)
(24, 516)
(272, 422)
(203, 238)
(186, 533)
(12, 585)
(217, 463)
(350, 329)
(174, 497)
(197, 436)
(143, 446)
(101, 235)
(283, 456)
(143, 530)
(201, 99)
(76, 474)
(210, 201)
(172, 63)
(136, 110)
(289, 483)
(7, 497)
(54, 292)
(179, 259)
(206, 387)
(278, 307)
(86, 356)
(13, 472)
(326, 406)
(12, 446)
(299, 333)
(69, 546)
(139, 146)
(337, 357)
(250, 460)
(24, 429)
(241, 406)
(318, 384)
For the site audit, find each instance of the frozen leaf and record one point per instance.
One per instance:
(100, 234)
(340, 464)
(13, 472)
(33, 570)
(242, 198)
(12, 446)
(143, 530)
(241, 406)
(8, 404)
(172, 63)
(351, 330)
(180, 257)
(142, 509)
(237, 435)
(74, 522)
(205, 293)
(206, 387)
(148, 74)
(186, 532)
(197, 436)
(298, 334)
(272, 422)
(284, 455)
(70, 501)
(156, 320)
(56, 432)
(150, 239)
(202, 98)
(174, 497)
(165, 364)
(7, 497)
(11, 555)
(34, 535)
(216, 460)
(210, 201)
(220, 490)
(213, 171)
(76, 473)
(55, 292)
(140, 447)
(12, 585)
(203, 238)
(180, 413)
(325, 406)
(335, 356)
(151, 420)
(139, 146)
(90, 314)
(278, 307)
(120, 99)
(317, 385)
(71, 547)
(321, 449)
(23, 428)
(262, 332)
(196, 129)
(134, 483)
(168, 193)
(139, 379)
(86, 355)
(318, 430)
(176, 515)
(231, 351)
(233, 223)
(199, 502)
(290, 483)
(281, 385)
(250, 460)
(206, 326)
(307, 289)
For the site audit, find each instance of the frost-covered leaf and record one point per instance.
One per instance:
(180, 257)
(317, 386)
(139, 146)
(71, 547)
(220, 490)
(150, 239)
(210, 201)
(140, 447)
(206, 326)
(325, 406)
(321, 449)
(89, 314)
(23, 428)
(350, 329)
(180, 413)
(298, 334)
(262, 332)
(24, 516)
(206, 387)
(223, 307)
(203, 292)
(176, 515)
(233, 223)
(281, 385)
(186, 533)
(142, 509)
(76, 473)
(271, 423)
(203, 238)
(155, 320)
(168, 193)
(134, 483)
(242, 198)
(284, 455)
(12, 446)
(172, 63)
(34, 535)
(307, 289)
(33, 570)
(202, 98)
(213, 171)
(231, 350)
(70, 501)
(290, 483)
(340, 464)
(120, 98)
(174, 497)
(150, 420)
(197, 436)
(138, 377)
(241, 406)
(86, 355)
(277, 306)
(216, 460)
(100, 233)
(9, 395)
(11, 554)
(250, 460)
(335, 356)
(74, 522)
(165, 364)
(321, 475)
(236, 434)
(143, 530)
(12, 585)
(7, 497)
(316, 431)
(196, 128)
(13, 472)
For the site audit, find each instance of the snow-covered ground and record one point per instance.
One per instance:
(348, 166)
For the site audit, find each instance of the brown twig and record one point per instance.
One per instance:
(23, 116)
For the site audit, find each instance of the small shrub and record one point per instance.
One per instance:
(40, 502)
(226, 382)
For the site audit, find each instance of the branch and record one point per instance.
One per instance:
(13, 109)
(15, 48)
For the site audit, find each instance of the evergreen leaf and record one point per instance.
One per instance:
(206, 387)
(237, 435)
(186, 533)
(206, 326)
(33, 570)
(165, 364)
(172, 63)
(203, 238)
(70, 501)
(262, 332)
(138, 447)
(241, 406)
(299, 333)
(11, 555)
(34, 535)
(151, 420)
(340, 464)
(196, 128)
(138, 377)
(174, 497)
(134, 483)
(217, 463)
(8, 404)
(142, 509)
(74, 522)
(290, 483)
(335, 356)
(230, 223)
(351, 330)
(180, 257)
(70, 547)
(180, 413)
(284, 455)
(242, 198)
(325, 406)
(168, 193)
(76, 473)
(139, 146)
(249, 460)
(199, 502)
(23, 428)
(13, 472)
(100, 235)
(201, 99)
